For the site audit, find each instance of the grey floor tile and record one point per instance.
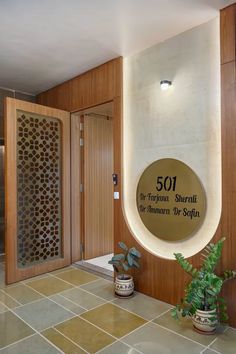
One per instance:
(226, 342)
(102, 288)
(82, 298)
(43, 314)
(3, 308)
(67, 304)
(151, 339)
(209, 351)
(118, 348)
(12, 329)
(185, 328)
(32, 345)
(143, 305)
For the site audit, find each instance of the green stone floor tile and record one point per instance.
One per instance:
(62, 342)
(22, 293)
(143, 305)
(43, 314)
(85, 334)
(151, 339)
(32, 345)
(113, 319)
(118, 348)
(12, 329)
(226, 342)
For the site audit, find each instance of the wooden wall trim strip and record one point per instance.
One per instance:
(227, 34)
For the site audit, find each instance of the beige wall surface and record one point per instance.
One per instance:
(182, 123)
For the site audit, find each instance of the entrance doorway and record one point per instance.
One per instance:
(96, 186)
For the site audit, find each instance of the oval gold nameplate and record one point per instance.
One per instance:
(171, 200)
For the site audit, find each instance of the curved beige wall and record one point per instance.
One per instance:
(181, 123)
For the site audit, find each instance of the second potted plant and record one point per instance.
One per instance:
(202, 300)
(122, 263)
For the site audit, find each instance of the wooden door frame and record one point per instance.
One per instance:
(77, 214)
(13, 273)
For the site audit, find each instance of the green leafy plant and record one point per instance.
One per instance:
(126, 260)
(203, 291)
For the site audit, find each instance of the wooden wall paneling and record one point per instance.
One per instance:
(58, 97)
(13, 272)
(227, 34)
(98, 187)
(99, 85)
(75, 192)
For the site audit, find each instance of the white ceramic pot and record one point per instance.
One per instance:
(124, 285)
(201, 321)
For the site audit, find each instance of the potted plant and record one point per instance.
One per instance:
(202, 300)
(122, 263)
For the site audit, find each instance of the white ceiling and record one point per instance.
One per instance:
(45, 42)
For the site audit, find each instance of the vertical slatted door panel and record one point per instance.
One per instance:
(37, 178)
(98, 187)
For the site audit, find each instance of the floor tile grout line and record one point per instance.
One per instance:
(75, 286)
(57, 304)
(74, 303)
(18, 341)
(212, 342)
(133, 313)
(56, 324)
(10, 286)
(99, 279)
(163, 313)
(28, 303)
(76, 344)
(178, 334)
(12, 298)
(33, 329)
(107, 346)
(213, 350)
(136, 329)
(72, 286)
(118, 341)
(65, 298)
(79, 286)
(101, 329)
(88, 292)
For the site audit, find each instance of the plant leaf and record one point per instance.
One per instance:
(123, 246)
(135, 264)
(135, 252)
(130, 260)
(118, 257)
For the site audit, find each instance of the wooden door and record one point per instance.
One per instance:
(98, 187)
(37, 178)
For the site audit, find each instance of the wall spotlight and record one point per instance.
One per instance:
(165, 84)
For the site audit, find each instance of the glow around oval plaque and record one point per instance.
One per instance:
(171, 200)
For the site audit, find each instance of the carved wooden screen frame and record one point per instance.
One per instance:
(13, 272)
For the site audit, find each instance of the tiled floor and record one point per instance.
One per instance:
(73, 311)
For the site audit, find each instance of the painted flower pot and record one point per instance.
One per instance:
(124, 285)
(202, 321)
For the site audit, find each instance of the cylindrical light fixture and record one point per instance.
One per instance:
(165, 84)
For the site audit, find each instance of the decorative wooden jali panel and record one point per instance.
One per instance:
(38, 189)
